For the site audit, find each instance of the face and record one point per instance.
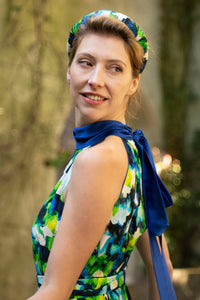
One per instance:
(101, 80)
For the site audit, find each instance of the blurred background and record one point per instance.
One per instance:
(36, 122)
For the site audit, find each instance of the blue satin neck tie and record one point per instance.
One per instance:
(156, 196)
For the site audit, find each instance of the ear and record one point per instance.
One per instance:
(134, 85)
(68, 75)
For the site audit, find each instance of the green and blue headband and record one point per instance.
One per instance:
(135, 29)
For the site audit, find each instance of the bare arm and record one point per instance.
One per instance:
(88, 205)
(145, 252)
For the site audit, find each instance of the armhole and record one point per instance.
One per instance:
(136, 159)
(127, 169)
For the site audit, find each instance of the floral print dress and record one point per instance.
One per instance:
(103, 277)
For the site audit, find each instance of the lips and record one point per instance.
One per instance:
(94, 97)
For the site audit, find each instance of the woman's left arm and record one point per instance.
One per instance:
(144, 249)
(167, 256)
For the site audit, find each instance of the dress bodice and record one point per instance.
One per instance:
(127, 222)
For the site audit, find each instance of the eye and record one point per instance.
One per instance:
(85, 62)
(116, 69)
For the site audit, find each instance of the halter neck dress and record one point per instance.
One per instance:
(103, 276)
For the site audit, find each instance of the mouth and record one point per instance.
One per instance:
(94, 97)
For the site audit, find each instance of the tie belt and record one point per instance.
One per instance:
(94, 286)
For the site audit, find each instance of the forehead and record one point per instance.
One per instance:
(103, 45)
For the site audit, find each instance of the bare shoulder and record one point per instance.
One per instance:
(97, 167)
(110, 153)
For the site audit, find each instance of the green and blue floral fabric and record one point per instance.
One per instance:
(103, 275)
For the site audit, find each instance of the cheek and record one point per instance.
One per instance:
(123, 88)
(76, 77)
(74, 83)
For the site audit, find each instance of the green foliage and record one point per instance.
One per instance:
(178, 94)
(176, 42)
(183, 231)
(60, 161)
(33, 87)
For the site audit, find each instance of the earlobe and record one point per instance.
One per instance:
(134, 85)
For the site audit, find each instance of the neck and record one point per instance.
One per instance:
(81, 120)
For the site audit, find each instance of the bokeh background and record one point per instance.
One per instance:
(36, 121)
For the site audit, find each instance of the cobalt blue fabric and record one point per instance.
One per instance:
(155, 193)
(156, 196)
(164, 283)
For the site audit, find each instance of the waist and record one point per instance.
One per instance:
(94, 286)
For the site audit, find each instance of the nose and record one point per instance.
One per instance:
(96, 78)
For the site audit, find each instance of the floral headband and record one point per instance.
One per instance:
(136, 30)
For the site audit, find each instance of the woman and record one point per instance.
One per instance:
(100, 195)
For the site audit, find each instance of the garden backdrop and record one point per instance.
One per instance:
(36, 122)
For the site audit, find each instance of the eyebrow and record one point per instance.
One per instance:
(108, 60)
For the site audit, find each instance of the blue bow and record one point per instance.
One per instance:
(156, 196)
(155, 193)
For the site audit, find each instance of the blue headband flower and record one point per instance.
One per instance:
(136, 30)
